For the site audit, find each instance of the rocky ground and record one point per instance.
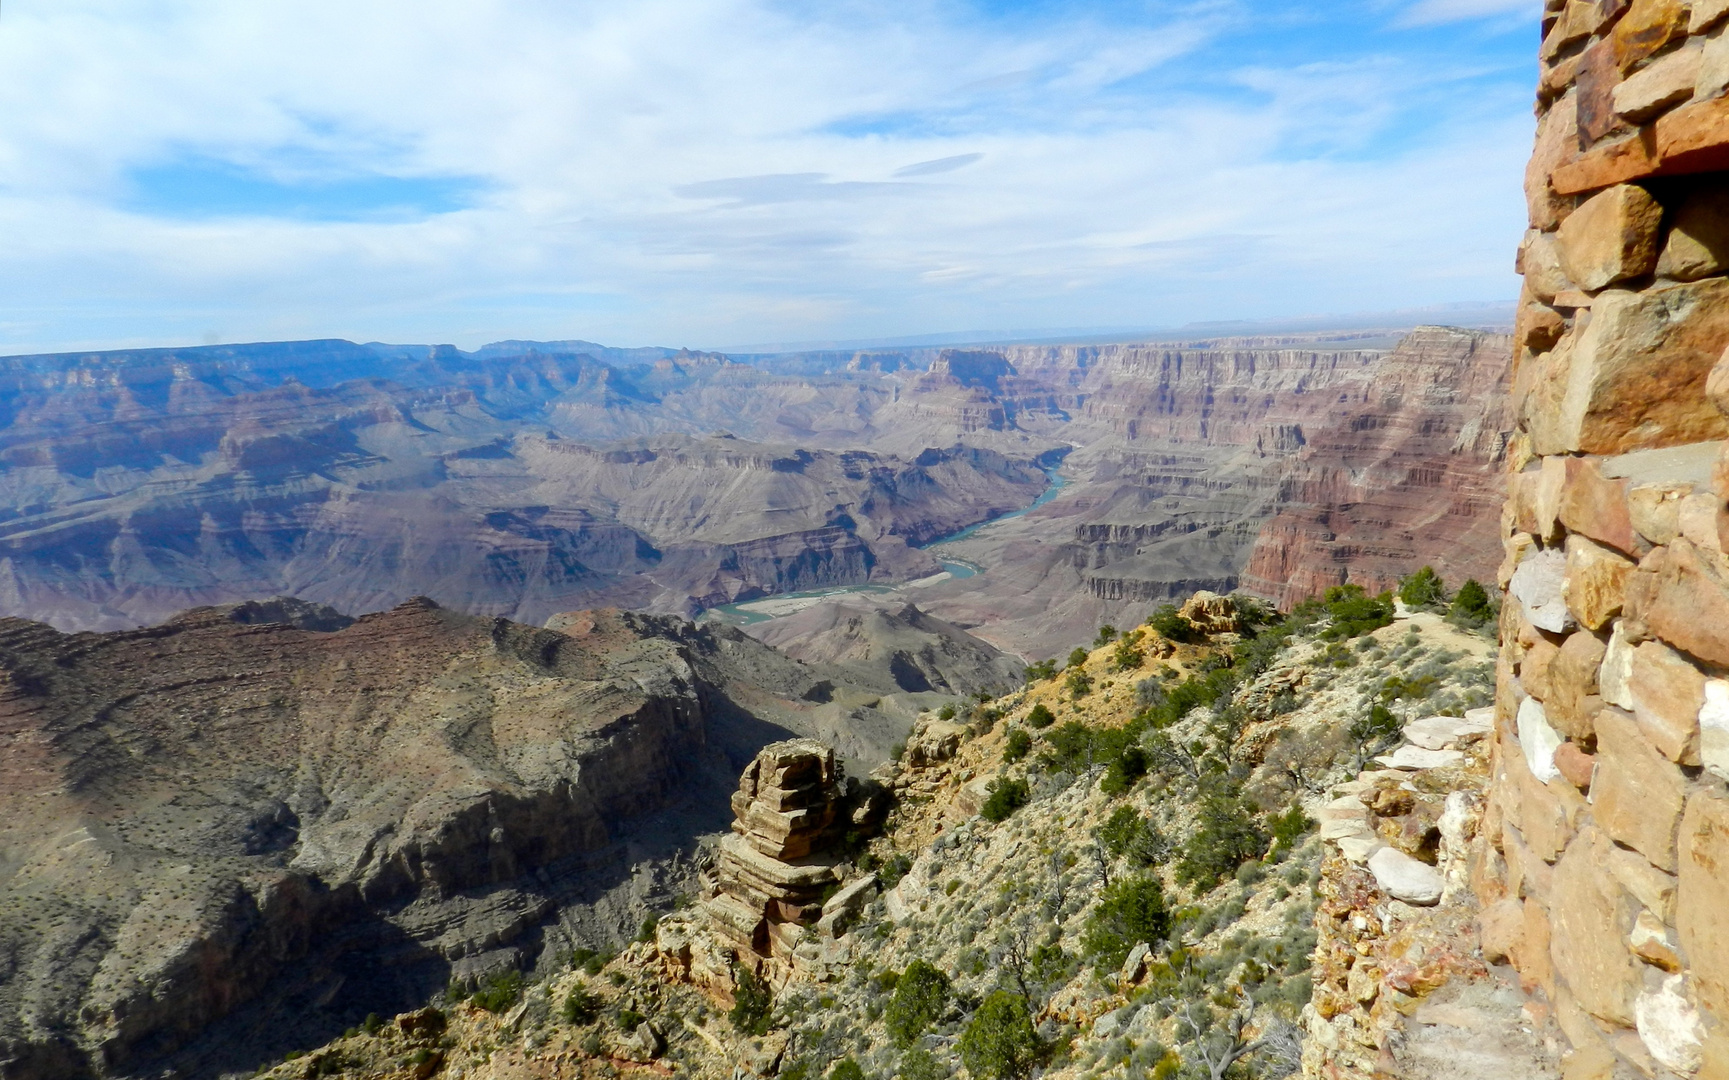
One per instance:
(1207, 871)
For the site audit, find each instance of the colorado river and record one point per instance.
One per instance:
(953, 568)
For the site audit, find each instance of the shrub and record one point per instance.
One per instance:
(499, 992)
(1471, 605)
(1377, 727)
(580, 1006)
(1077, 657)
(1423, 589)
(846, 1069)
(1171, 626)
(999, 1042)
(1107, 634)
(629, 1019)
(1226, 838)
(1079, 684)
(649, 925)
(1017, 746)
(1125, 769)
(893, 870)
(1290, 827)
(917, 1064)
(1040, 717)
(1131, 911)
(1128, 655)
(752, 1002)
(372, 1024)
(947, 712)
(1044, 669)
(1355, 613)
(1006, 796)
(920, 998)
(1129, 835)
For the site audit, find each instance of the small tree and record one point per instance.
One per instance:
(1006, 796)
(1471, 606)
(920, 998)
(752, 1002)
(1107, 634)
(1423, 589)
(1040, 717)
(1128, 655)
(999, 1042)
(1017, 746)
(1124, 771)
(1077, 657)
(1227, 838)
(918, 1064)
(846, 1069)
(1079, 684)
(1130, 911)
(580, 1006)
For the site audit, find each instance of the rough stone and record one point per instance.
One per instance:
(1577, 22)
(1684, 601)
(1660, 85)
(1646, 28)
(1609, 163)
(1446, 732)
(1615, 675)
(1535, 955)
(1417, 758)
(1557, 144)
(1705, 13)
(1405, 878)
(1717, 389)
(1611, 237)
(1714, 728)
(1575, 765)
(1669, 1025)
(1636, 375)
(1538, 327)
(1650, 886)
(1654, 510)
(1542, 268)
(1596, 582)
(1694, 137)
(1590, 917)
(1704, 882)
(1573, 692)
(1638, 794)
(1667, 695)
(1650, 942)
(1535, 668)
(1698, 243)
(1714, 66)
(1539, 585)
(1502, 924)
(1596, 505)
(1537, 740)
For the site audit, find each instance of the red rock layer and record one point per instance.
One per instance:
(1406, 472)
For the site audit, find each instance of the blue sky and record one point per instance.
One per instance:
(718, 172)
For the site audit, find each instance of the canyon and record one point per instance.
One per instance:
(525, 478)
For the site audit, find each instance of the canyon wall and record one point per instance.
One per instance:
(1609, 807)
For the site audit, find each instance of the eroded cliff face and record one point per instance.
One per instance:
(244, 829)
(1406, 471)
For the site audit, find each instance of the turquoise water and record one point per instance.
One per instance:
(960, 569)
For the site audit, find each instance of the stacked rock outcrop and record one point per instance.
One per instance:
(1609, 814)
(775, 876)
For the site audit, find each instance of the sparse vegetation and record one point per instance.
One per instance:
(753, 1003)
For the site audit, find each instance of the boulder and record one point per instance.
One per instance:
(1404, 878)
(1417, 758)
(1447, 732)
(1698, 243)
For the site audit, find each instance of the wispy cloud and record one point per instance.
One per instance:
(1436, 12)
(702, 171)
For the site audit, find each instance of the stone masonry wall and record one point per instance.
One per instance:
(1606, 880)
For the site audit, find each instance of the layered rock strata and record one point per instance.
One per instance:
(776, 874)
(1609, 807)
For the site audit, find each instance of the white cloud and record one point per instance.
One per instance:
(704, 171)
(1435, 12)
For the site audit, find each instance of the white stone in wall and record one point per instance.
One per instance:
(1538, 740)
(1537, 585)
(1669, 1025)
(1615, 677)
(1405, 878)
(1714, 727)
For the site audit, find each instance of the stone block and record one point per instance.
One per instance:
(1654, 510)
(1578, 21)
(1682, 599)
(1714, 728)
(1638, 794)
(1534, 956)
(1538, 583)
(1538, 327)
(1698, 242)
(1548, 494)
(1652, 887)
(1617, 162)
(1615, 674)
(1704, 882)
(1635, 378)
(1405, 878)
(1668, 692)
(1590, 917)
(1694, 137)
(1596, 582)
(1593, 1061)
(1595, 88)
(1502, 926)
(1705, 14)
(1573, 698)
(1648, 27)
(1611, 237)
(1669, 1025)
(1596, 505)
(1713, 67)
(1542, 268)
(1575, 765)
(1717, 389)
(1537, 742)
(1557, 144)
(1534, 668)
(1660, 85)
(1650, 942)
